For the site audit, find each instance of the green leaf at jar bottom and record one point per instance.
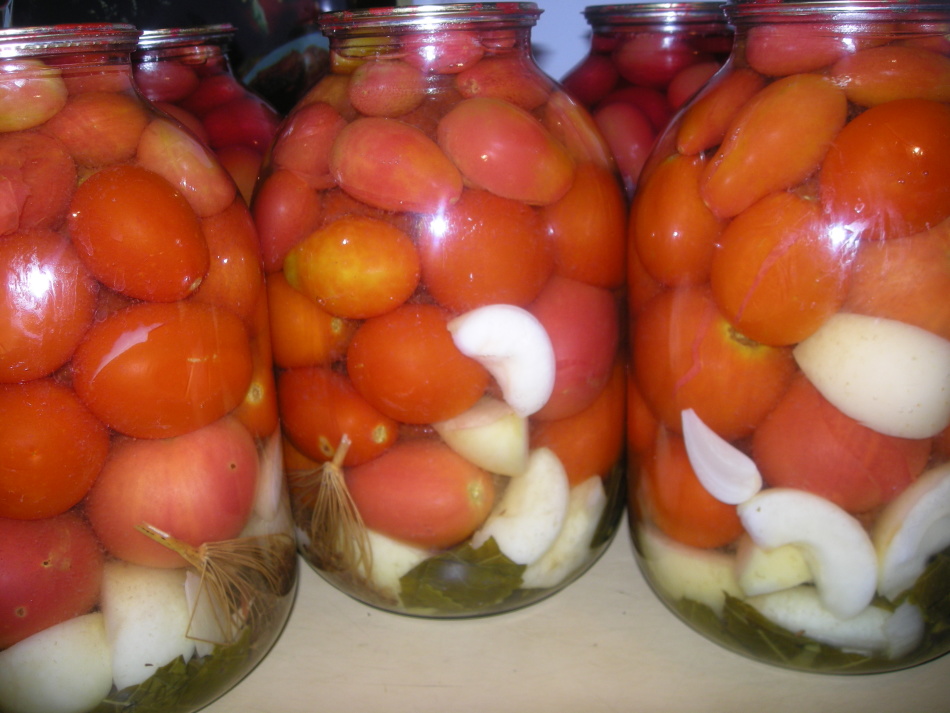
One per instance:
(463, 580)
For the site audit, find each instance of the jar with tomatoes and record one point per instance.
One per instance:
(790, 399)
(443, 233)
(645, 61)
(147, 555)
(187, 73)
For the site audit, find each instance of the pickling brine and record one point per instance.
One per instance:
(790, 399)
(147, 555)
(443, 233)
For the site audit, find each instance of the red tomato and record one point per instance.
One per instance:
(689, 81)
(485, 249)
(51, 449)
(652, 102)
(443, 52)
(245, 121)
(423, 493)
(165, 81)
(904, 279)
(244, 165)
(100, 128)
(235, 279)
(687, 355)
(303, 145)
(391, 165)
(504, 149)
(159, 370)
(806, 443)
(780, 49)
(652, 59)
(590, 442)
(630, 135)
(668, 494)
(285, 211)
(355, 267)
(672, 230)
(50, 572)
(390, 88)
(779, 272)
(302, 332)
(45, 174)
(582, 323)
(138, 235)
(318, 406)
(258, 411)
(642, 426)
(47, 302)
(591, 80)
(406, 364)
(506, 77)
(590, 245)
(211, 92)
(909, 138)
(198, 487)
(172, 152)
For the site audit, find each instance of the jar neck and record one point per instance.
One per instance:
(81, 44)
(206, 45)
(657, 17)
(849, 15)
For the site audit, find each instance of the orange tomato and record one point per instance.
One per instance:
(881, 74)
(704, 123)
(589, 443)
(778, 273)
(51, 449)
(483, 250)
(355, 267)
(909, 138)
(302, 332)
(303, 145)
(672, 230)
(590, 245)
(804, 111)
(137, 234)
(99, 128)
(687, 355)
(286, 209)
(642, 426)
(668, 494)
(406, 364)
(319, 406)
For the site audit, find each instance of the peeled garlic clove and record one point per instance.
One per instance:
(873, 630)
(762, 571)
(684, 572)
(66, 668)
(391, 560)
(911, 529)
(514, 347)
(888, 375)
(529, 517)
(584, 509)
(835, 545)
(490, 435)
(728, 474)
(146, 617)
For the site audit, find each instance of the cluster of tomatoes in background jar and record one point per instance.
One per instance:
(186, 73)
(140, 433)
(646, 60)
(789, 402)
(444, 235)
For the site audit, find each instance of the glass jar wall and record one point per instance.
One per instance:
(645, 61)
(186, 72)
(147, 558)
(789, 408)
(444, 234)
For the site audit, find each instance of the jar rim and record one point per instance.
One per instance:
(176, 36)
(656, 12)
(834, 10)
(63, 39)
(430, 17)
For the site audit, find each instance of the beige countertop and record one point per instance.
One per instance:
(605, 643)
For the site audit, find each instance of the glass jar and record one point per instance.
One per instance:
(147, 557)
(186, 73)
(645, 61)
(790, 493)
(444, 234)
